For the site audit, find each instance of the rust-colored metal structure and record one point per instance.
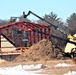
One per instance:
(24, 34)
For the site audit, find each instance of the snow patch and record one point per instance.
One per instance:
(20, 70)
(71, 73)
(38, 66)
(62, 65)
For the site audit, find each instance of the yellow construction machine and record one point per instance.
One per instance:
(70, 47)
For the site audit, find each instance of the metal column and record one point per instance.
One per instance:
(41, 36)
(49, 34)
(30, 38)
(34, 37)
(45, 33)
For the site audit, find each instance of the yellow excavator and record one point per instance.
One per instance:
(70, 47)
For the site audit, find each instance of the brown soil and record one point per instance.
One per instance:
(40, 51)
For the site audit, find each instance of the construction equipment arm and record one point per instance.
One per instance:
(56, 27)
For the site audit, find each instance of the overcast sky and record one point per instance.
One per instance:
(63, 8)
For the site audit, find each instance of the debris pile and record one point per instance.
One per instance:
(40, 51)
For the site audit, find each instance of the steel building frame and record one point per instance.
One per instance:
(36, 32)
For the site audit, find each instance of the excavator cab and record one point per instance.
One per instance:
(71, 48)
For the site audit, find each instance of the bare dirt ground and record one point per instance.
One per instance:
(50, 69)
(42, 53)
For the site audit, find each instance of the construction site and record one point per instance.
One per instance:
(27, 42)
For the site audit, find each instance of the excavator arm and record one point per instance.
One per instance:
(56, 27)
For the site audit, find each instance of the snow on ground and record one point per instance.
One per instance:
(21, 70)
(38, 66)
(62, 65)
(71, 73)
(30, 69)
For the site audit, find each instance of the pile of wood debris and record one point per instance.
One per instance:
(40, 51)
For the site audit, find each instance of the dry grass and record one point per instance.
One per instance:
(50, 69)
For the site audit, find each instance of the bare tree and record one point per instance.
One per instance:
(71, 22)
